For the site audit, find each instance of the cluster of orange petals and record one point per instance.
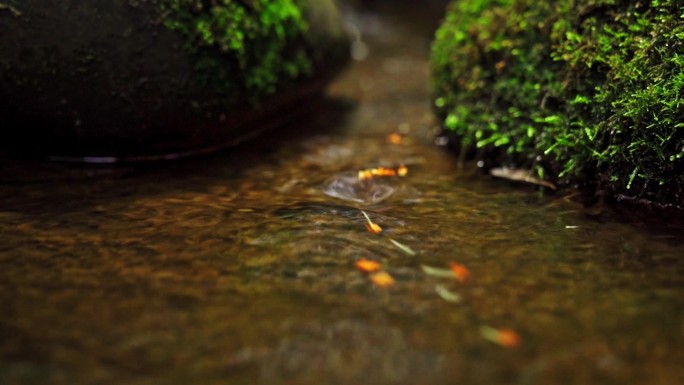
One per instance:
(460, 272)
(505, 337)
(370, 173)
(377, 276)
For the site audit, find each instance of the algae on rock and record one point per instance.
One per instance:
(254, 39)
(588, 92)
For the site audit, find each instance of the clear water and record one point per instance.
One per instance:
(239, 268)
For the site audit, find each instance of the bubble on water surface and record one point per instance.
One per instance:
(347, 186)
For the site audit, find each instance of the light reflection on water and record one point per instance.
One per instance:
(239, 268)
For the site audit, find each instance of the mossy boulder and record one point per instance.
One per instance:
(151, 78)
(586, 92)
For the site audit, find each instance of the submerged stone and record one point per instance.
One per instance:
(105, 81)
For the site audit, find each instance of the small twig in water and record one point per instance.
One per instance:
(437, 272)
(404, 248)
(10, 8)
(447, 295)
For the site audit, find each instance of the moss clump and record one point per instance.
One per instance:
(242, 49)
(583, 91)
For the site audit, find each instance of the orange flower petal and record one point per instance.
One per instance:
(508, 338)
(394, 138)
(460, 272)
(383, 171)
(368, 266)
(382, 279)
(374, 228)
(505, 337)
(365, 175)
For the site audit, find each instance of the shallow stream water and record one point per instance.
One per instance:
(239, 268)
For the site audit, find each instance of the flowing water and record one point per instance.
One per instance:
(239, 268)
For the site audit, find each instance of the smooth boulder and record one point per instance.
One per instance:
(143, 79)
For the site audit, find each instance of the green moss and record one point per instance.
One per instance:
(584, 91)
(242, 49)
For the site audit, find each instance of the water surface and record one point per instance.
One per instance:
(239, 268)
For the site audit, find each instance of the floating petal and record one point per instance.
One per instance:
(368, 266)
(505, 337)
(394, 138)
(372, 227)
(459, 271)
(382, 279)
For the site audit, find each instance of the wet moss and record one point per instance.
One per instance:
(586, 92)
(261, 40)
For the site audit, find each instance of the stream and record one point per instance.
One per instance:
(240, 267)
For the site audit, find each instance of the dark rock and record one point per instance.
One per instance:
(156, 79)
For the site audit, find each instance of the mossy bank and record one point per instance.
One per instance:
(153, 77)
(585, 92)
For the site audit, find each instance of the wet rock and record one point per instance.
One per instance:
(100, 81)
